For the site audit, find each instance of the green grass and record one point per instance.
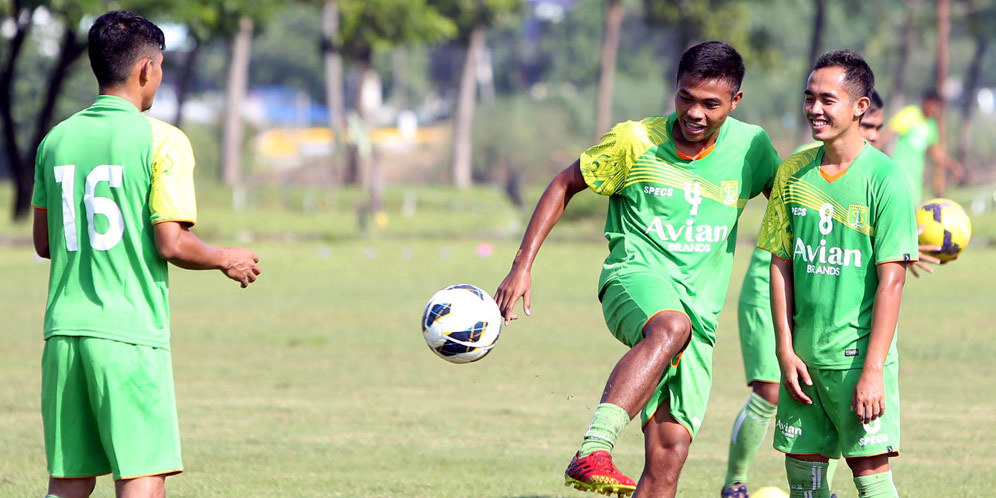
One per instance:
(316, 381)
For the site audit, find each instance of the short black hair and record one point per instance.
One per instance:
(117, 40)
(713, 60)
(858, 75)
(876, 102)
(931, 94)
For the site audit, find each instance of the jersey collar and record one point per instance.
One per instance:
(114, 102)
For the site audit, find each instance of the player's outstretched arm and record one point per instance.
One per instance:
(782, 299)
(178, 245)
(868, 402)
(39, 233)
(518, 282)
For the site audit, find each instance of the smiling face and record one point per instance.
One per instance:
(702, 106)
(829, 107)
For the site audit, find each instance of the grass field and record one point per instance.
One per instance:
(316, 381)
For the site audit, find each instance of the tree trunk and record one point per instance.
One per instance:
(235, 92)
(186, 76)
(815, 42)
(22, 24)
(399, 73)
(333, 69)
(70, 50)
(943, 35)
(614, 12)
(971, 85)
(897, 98)
(463, 124)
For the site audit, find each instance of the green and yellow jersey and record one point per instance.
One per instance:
(835, 231)
(677, 216)
(915, 133)
(105, 176)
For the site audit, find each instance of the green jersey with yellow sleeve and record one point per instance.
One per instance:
(105, 176)
(677, 216)
(835, 231)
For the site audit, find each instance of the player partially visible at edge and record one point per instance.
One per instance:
(841, 228)
(114, 201)
(677, 185)
(757, 342)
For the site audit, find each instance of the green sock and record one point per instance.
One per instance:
(876, 486)
(831, 471)
(608, 421)
(748, 433)
(806, 479)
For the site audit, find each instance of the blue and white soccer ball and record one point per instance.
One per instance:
(461, 323)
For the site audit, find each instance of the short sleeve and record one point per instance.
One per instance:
(763, 161)
(904, 120)
(895, 221)
(39, 197)
(776, 232)
(605, 166)
(172, 196)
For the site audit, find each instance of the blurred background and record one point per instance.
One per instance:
(367, 111)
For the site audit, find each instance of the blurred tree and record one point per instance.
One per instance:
(897, 97)
(941, 73)
(472, 19)
(615, 11)
(980, 18)
(378, 25)
(333, 69)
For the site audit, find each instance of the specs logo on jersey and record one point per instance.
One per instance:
(730, 191)
(693, 194)
(873, 437)
(826, 260)
(857, 215)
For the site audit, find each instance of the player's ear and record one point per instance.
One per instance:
(144, 68)
(736, 100)
(861, 106)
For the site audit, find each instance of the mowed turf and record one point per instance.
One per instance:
(315, 381)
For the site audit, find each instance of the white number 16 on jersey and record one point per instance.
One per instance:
(113, 175)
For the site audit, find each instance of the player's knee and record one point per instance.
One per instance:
(766, 390)
(668, 327)
(71, 488)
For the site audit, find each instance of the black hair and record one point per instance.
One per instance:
(117, 40)
(713, 60)
(858, 75)
(931, 94)
(876, 102)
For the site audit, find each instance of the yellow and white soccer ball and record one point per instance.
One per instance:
(769, 492)
(945, 224)
(461, 323)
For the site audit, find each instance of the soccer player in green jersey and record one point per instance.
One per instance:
(916, 138)
(840, 226)
(114, 201)
(676, 185)
(757, 345)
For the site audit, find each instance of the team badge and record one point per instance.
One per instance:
(730, 191)
(857, 216)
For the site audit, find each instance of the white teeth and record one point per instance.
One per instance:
(819, 122)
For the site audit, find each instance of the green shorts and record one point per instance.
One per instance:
(108, 407)
(757, 343)
(828, 427)
(628, 302)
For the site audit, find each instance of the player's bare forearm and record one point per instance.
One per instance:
(518, 283)
(181, 247)
(39, 233)
(885, 315)
(548, 211)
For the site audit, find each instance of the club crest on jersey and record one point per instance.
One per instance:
(730, 191)
(857, 216)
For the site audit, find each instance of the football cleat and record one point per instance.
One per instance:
(737, 490)
(597, 473)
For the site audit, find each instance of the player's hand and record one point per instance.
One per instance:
(518, 283)
(868, 402)
(242, 265)
(925, 257)
(793, 371)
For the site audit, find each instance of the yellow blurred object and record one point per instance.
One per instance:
(945, 224)
(380, 219)
(769, 492)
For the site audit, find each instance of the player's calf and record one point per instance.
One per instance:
(71, 487)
